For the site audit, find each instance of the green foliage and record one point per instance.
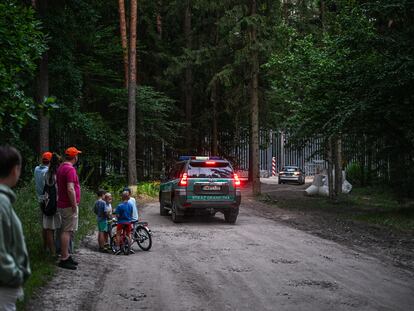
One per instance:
(22, 43)
(348, 71)
(151, 188)
(156, 108)
(113, 183)
(28, 210)
(380, 207)
(116, 183)
(354, 173)
(351, 78)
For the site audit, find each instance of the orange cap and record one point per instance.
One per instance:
(72, 151)
(47, 156)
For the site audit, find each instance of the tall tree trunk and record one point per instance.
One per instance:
(132, 86)
(330, 168)
(124, 38)
(369, 163)
(159, 19)
(42, 85)
(338, 166)
(362, 159)
(254, 106)
(285, 10)
(322, 14)
(188, 77)
(214, 136)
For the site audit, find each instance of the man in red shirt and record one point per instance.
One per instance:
(67, 204)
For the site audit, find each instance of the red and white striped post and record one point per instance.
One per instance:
(273, 166)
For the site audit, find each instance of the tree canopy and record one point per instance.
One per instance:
(326, 68)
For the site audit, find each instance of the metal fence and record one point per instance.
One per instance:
(156, 158)
(237, 150)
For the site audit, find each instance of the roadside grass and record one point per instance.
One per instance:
(43, 267)
(372, 205)
(149, 189)
(378, 206)
(146, 190)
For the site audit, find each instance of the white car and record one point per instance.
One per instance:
(291, 174)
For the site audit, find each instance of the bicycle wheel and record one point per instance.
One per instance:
(112, 239)
(126, 246)
(112, 243)
(143, 238)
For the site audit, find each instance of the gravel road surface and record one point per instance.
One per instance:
(206, 264)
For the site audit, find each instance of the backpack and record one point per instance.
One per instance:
(48, 204)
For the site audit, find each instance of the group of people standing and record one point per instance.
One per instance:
(126, 213)
(59, 215)
(59, 193)
(60, 224)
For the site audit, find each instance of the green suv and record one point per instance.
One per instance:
(200, 185)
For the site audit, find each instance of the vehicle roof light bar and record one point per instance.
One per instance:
(201, 158)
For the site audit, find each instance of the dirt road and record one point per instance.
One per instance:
(257, 264)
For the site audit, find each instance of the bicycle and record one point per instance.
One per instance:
(125, 244)
(141, 234)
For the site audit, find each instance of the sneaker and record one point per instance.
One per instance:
(66, 264)
(131, 251)
(73, 261)
(118, 252)
(105, 250)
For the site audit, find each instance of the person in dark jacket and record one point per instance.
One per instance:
(14, 259)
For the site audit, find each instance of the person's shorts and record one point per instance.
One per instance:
(102, 226)
(51, 222)
(69, 219)
(126, 227)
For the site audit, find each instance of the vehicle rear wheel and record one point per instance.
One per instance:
(175, 218)
(163, 211)
(231, 216)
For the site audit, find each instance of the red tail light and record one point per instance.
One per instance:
(236, 181)
(210, 162)
(183, 181)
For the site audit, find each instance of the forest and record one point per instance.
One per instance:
(207, 74)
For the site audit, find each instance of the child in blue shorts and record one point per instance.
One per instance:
(101, 215)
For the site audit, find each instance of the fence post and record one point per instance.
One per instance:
(282, 149)
(273, 166)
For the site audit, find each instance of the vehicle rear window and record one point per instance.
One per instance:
(204, 170)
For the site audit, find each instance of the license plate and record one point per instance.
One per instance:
(211, 188)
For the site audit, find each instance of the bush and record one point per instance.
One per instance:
(149, 188)
(355, 174)
(114, 183)
(27, 208)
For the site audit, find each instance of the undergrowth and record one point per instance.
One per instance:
(43, 267)
(372, 205)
